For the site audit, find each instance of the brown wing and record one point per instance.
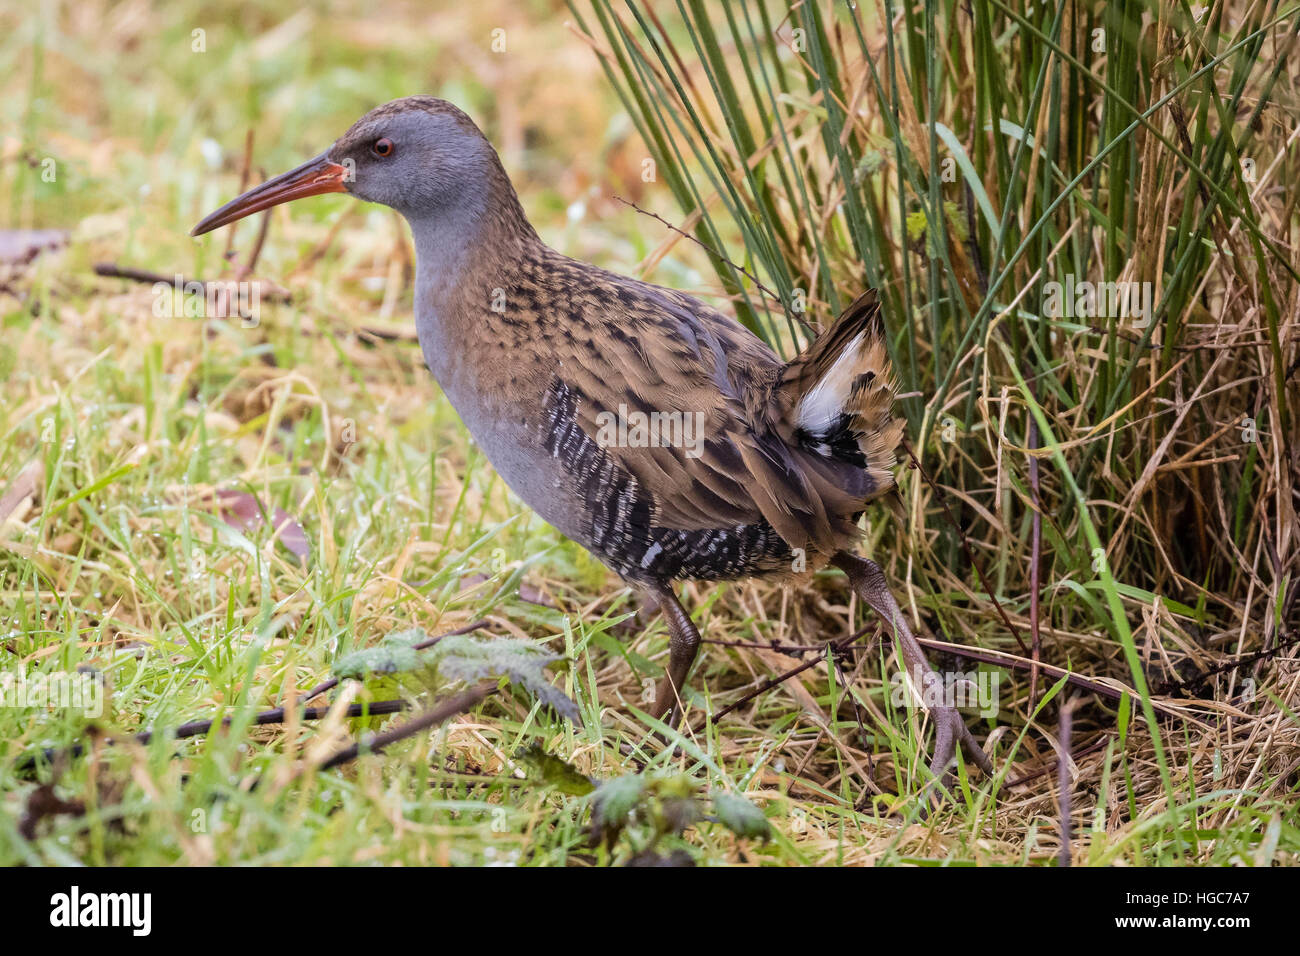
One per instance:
(655, 351)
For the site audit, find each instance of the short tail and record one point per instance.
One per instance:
(839, 394)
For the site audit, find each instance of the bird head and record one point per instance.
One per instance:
(419, 155)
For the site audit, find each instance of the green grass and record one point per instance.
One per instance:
(122, 563)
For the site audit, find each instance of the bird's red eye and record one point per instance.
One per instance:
(383, 147)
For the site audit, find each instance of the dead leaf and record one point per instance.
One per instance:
(469, 582)
(29, 484)
(21, 246)
(43, 802)
(527, 593)
(530, 595)
(241, 510)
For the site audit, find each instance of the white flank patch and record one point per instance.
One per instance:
(825, 401)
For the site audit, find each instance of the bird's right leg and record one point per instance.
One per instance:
(868, 581)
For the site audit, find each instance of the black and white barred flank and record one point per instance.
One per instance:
(621, 515)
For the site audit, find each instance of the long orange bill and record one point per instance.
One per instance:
(313, 178)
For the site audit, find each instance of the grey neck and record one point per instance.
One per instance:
(485, 228)
(442, 245)
(461, 253)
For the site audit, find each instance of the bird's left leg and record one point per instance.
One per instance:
(683, 645)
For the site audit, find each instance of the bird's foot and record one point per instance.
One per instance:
(868, 581)
(950, 730)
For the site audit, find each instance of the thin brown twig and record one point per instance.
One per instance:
(196, 728)
(245, 170)
(781, 678)
(248, 267)
(1035, 561)
(713, 252)
(995, 658)
(1171, 685)
(276, 294)
(1002, 659)
(777, 646)
(277, 714)
(1063, 778)
(430, 718)
(112, 270)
